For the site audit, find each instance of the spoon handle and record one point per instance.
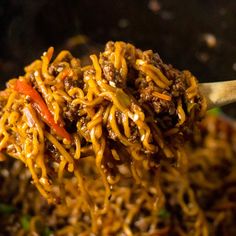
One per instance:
(219, 94)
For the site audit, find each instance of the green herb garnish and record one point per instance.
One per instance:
(6, 208)
(215, 111)
(163, 213)
(47, 232)
(25, 222)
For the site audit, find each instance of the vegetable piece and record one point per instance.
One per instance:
(6, 208)
(47, 232)
(23, 87)
(162, 96)
(215, 111)
(163, 213)
(25, 222)
(29, 117)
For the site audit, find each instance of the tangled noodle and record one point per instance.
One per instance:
(106, 144)
(198, 199)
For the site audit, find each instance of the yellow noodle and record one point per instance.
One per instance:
(103, 179)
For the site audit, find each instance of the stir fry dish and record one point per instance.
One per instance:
(116, 147)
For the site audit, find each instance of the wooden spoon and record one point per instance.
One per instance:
(219, 94)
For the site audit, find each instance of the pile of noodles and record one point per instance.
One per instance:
(95, 138)
(195, 199)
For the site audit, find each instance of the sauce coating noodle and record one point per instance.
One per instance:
(89, 134)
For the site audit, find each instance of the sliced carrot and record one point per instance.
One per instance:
(162, 96)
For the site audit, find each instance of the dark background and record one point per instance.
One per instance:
(199, 35)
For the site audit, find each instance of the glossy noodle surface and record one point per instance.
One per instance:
(104, 145)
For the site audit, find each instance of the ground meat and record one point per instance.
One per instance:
(158, 104)
(71, 112)
(112, 75)
(89, 73)
(169, 71)
(161, 105)
(52, 151)
(134, 133)
(70, 83)
(152, 58)
(108, 70)
(134, 137)
(83, 121)
(70, 117)
(119, 117)
(146, 94)
(178, 88)
(131, 79)
(54, 69)
(111, 134)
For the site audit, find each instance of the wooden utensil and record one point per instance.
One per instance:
(219, 94)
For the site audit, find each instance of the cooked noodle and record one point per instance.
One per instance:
(197, 198)
(100, 138)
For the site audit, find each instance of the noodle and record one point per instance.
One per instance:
(82, 130)
(185, 200)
